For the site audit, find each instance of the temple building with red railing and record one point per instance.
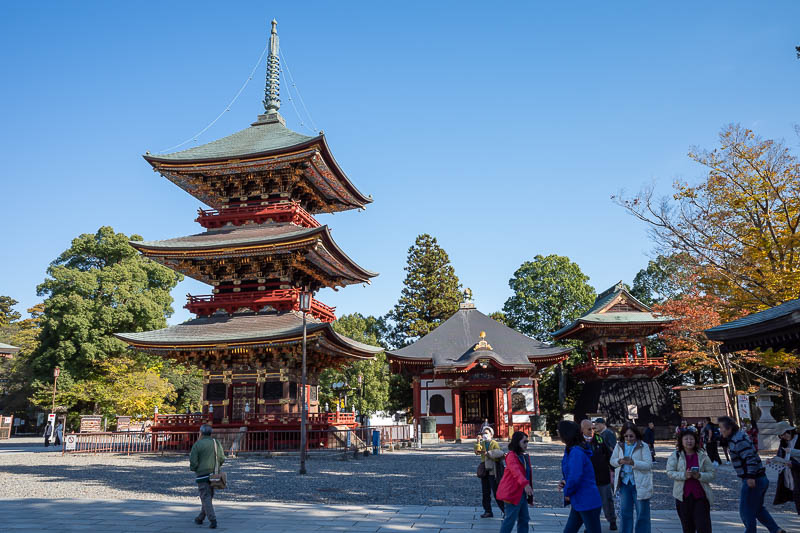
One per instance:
(618, 371)
(473, 369)
(260, 249)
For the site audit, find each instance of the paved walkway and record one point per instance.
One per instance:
(101, 516)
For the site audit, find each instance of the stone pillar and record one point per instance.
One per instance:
(767, 426)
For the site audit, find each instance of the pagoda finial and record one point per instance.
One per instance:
(272, 92)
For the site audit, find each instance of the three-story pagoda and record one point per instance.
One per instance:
(261, 248)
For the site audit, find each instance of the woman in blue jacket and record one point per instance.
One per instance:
(580, 489)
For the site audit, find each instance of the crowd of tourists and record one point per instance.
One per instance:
(599, 468)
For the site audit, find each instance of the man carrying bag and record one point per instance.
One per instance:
(205, 459)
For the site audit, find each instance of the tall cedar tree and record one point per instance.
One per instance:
(431, 293)
(740, 226)
(98, 287)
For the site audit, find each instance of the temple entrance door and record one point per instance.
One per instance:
(477, 406)
(243, 395)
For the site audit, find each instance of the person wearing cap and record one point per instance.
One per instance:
(605, 433)
(492, 458)
(750, 469)
(788, 455)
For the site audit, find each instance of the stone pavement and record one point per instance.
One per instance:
(101, 516)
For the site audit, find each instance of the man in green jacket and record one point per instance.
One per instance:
(206, 456)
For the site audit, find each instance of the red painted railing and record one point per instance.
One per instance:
(276, 212)
(182, 420)
(280, 299)
(630, 365)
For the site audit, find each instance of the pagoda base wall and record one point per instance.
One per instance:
(610, 398)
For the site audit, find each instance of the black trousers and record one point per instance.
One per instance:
(713, 451)
(489, 489)
(695, 515)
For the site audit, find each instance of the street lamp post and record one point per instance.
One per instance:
(305, 306)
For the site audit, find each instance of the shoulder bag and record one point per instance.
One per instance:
(217, 480)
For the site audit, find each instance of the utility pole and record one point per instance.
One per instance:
(56, 372)
(305, 306)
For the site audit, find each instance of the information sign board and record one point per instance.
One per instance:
(744, 406)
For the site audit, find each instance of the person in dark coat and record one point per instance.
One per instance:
(712, 436)
(48, 431)
(578, 484)
(788, 455)
(601, 457)
(650, 438)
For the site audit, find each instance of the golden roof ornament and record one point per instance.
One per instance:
(482, 344)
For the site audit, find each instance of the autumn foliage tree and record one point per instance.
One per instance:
(740, 226)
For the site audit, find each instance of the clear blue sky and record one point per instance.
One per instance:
(502, 132)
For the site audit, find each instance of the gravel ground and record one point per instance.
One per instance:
(440, 475)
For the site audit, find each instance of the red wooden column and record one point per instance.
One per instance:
(498, 413)
(508, 412)
(644, 351)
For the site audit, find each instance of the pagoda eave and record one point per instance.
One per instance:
(319, 168)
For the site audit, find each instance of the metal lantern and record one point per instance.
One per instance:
(305, 301)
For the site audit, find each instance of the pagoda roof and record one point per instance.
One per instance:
(457, 343)
(266, 144)
(262, 137)
(260, 240)
(243, 330)
(777, 327)
(8, 349)
(615, 307)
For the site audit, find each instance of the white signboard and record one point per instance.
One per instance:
(6, 420)
(633, 412)
(744, 406)
(70, 441)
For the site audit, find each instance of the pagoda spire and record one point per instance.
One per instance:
(272, 91)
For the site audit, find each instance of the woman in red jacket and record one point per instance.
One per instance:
(516, 487)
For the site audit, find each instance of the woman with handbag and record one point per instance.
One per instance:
(205, 460)
(578, 483)
(691, 470)
(490, 470)
(516, 487)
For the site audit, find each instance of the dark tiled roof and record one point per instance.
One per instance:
(259, 138)
(240, 328)
(231, 236)
(785, 313)
(452, 343)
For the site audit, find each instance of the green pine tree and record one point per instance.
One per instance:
(548, 292)
(98, 287)
(431, 293)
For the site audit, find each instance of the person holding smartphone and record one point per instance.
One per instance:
(691, 471)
